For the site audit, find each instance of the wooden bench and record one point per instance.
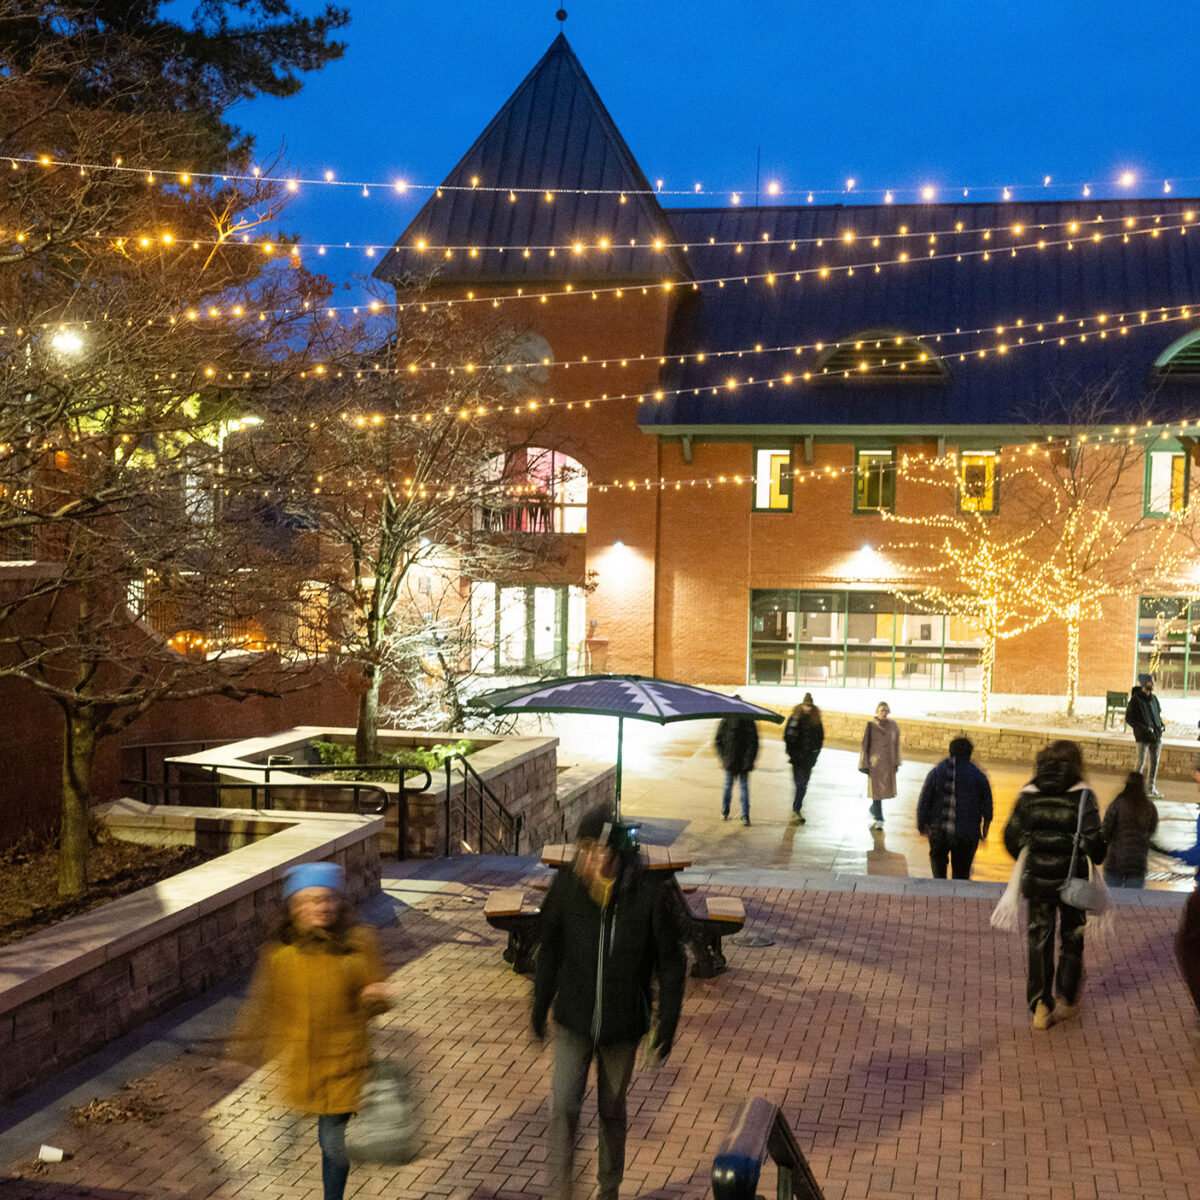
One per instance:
(509, 911)
(1114, 707)
(709, 919)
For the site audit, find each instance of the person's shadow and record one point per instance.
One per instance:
(882, 861)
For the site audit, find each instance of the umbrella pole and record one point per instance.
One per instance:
(620, 739)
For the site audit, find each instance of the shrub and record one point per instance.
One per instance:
(340, 755)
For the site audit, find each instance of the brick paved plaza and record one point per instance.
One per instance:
(886, 1018)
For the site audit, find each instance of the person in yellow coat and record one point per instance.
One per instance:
(318, 981)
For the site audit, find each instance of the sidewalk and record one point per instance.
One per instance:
(889, 1025)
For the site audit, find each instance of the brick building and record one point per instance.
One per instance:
(742, 385)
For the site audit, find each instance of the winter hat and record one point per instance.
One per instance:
(313, 874)
(807, 698)
(1146, 680)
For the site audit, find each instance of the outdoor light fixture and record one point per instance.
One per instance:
(67, 341)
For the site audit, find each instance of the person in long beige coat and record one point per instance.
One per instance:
(879, 760)
(317, 983)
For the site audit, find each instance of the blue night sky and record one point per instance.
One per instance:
(900, 94)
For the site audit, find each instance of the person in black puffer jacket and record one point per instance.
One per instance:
(737, 746)
(1045, 818)
(1129, 825)
(607, 928)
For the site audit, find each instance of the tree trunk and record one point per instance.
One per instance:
(79, 751)
(1072, 658)
(987, 661)
(366, 736)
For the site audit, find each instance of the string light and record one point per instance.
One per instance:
(255, 176)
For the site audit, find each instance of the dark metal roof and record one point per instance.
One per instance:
(554, 132)
(930, 299)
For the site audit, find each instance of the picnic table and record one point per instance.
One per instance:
(654, 858)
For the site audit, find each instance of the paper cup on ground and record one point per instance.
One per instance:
(50, 1154)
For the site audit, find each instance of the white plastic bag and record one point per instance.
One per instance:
(385, 1129)
(1006, 916)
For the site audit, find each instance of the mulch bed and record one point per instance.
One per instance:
(29, 880)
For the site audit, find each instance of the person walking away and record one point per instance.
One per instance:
(1129, 826)
(608, 928)
(879, 760)
(1044, 819)
(1143, 715)
(737, 745)
(318, 981)
(803, 737)
(954, 811)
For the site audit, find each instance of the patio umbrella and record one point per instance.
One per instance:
(639, 697)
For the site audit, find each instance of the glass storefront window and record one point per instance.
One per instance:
(1168, 643)
(858, 639)
(521, 630)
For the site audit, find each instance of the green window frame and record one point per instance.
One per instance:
(772, 489)
(1167, 478)
(874, 481)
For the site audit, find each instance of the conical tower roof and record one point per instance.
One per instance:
(554, 133)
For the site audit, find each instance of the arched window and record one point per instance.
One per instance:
(536, 491)
(888, 354)
(1181, 357)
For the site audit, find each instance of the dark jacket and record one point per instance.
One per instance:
(1044, 818)
(803, 737)
(641, 939)
(1128, 831)
(961, 780)
(1143, 715)
(737, 744)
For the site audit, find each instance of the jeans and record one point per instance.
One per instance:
(800, 776)
(335, 1165)
(1042, 978)
(1148, 752)
(877, 810)
(743, 777)
(614, 1067)
(949, 847)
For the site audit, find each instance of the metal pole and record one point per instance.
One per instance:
(447, 764)
(620, 739)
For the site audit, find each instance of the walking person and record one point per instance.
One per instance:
(1045, 819)
(1143, 715)
(803, 737)
(737, 745)
(954, 811)
(880, 759)
(608, 927)
(1129, 826)
(318, 981)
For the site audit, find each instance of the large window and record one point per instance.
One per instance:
(1168, 643)
(874, 481)
(978, 481)
(520, 630)
(772, 481)
(1166, 481)
(535, 491)
(857, 639)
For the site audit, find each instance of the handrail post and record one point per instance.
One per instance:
(446, 764)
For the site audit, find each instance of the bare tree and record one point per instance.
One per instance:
(406, 461)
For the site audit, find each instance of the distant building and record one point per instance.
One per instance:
(806, 348)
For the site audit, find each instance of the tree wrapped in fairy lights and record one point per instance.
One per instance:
(968, 564)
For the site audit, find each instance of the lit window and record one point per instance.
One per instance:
(1166, 482)
(772, 481)
(977, 482)
(874, 481)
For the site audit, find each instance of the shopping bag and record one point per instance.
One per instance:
(1006, 916)
(385, 1129)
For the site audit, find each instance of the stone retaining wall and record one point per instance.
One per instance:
(1115, 752)
(77, 986)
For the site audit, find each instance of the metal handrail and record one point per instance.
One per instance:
(253, 787)
(759, 1129)
(507, 825)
